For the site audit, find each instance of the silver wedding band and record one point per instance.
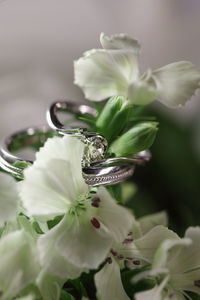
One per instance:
(101, 172)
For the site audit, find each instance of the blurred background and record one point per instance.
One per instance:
(40, 39)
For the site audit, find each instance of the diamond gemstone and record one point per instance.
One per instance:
(95, 148)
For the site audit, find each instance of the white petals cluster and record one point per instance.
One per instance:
(114, 71)
(54, 227)
(90, 228)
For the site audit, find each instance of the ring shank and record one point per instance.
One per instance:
(32, 137)
(66, 106)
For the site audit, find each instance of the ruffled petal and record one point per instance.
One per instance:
(8, 199)
(143, 90)
(48, 192)
(168, 250)
(51, 259)
(84, 244)
(67, 148)
(155, 293)
(185, 268)
(55, 179)
(18, 264)
(108, 283)
(105, 73)
(177, 83)
(149, 221)
(119, 41)
(147, 245)
(116, 218)
(49, 286)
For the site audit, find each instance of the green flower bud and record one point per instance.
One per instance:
(138, 138)
(113, 117)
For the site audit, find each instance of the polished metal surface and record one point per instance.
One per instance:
(96, 169)
(99, 173)
(32, 137)
(109, 175)
(73, 108)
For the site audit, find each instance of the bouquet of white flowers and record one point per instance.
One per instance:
(65, 230)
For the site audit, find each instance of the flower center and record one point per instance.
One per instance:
(78, 207)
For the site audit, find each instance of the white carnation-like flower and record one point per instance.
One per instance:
(114, 71)
(137, 249)
(178, 263)
(91, 221)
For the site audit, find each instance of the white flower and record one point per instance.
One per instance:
(113, 71)
(8, 199)
(137, 249)
(49, 286)
(91, 221)
(19, 266)
(108, 282)
(179, 262)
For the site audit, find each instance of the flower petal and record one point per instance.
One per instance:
(169, 249)
(54, 180)
(18, 264)
(8, 199)
(143, 90)
(177, 83)
(66, 148)
(50, 286)
(148, 244)
(48, 192)
(155, 293)
(185, 268)
(119, 41)
(108, 283)
(84, 245)
(105, 73)
(116, 218)
(51, 259)
(149, 221)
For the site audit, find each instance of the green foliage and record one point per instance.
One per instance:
(66, 296)
(22, 164)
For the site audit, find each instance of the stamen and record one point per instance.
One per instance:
(136, 262)
(120, 256)
(127, 240)
(197, 283)
(93, 192)
(109, 260)
(129, 258)
(130, 233)
(114, 253)
(95, 201)
(95, 223)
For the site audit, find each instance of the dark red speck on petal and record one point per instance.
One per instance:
(95, 223)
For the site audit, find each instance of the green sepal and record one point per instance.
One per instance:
(113, 117)
(66, 296)
(136, 139)
(22, 164)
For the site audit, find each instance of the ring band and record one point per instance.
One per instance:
(33, 137)
(66, 106)
(99, 173)
(113, 170)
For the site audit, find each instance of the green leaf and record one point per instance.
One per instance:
(138, 138)
(66, 296)
(87, 120)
